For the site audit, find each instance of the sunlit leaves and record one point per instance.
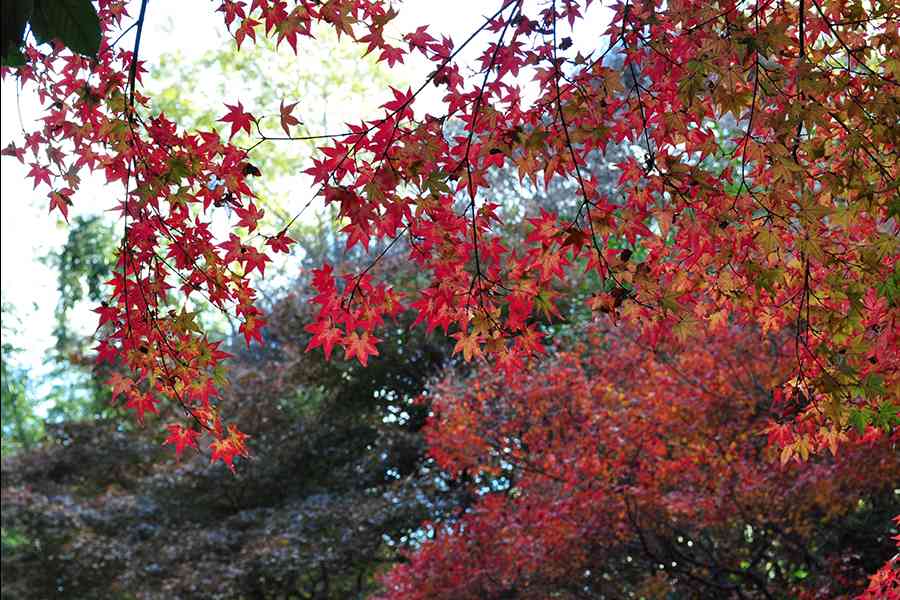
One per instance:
(755, 190)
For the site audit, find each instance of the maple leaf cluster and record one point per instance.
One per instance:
(174, 183)
(787, 220)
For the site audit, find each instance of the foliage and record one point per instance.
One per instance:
(189, 92)
(21, 430)
(336, 485)
(83, 266)
(615, 470)
(756, 196)
(72, 22)
(782, 236)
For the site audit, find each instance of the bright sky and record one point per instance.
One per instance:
(28, 233)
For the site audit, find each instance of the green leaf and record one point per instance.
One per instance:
(873, 385)
(74, 22)
(12, 34)
(888, 416)
(859, 418)
(894, 207)
(13, 58)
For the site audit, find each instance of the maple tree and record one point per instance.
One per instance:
(793, 227)
(760, 190)
(618, 470)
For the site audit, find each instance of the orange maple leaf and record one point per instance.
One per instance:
(360, 346)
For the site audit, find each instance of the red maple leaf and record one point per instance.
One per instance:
(468, 343)
(40, 174)
(227, 448)
(360, 346)
(119, 384)
(391, 54)
(254, 259)
(325, 335)
(287, 119)
(280, 243)
(223, 450)
(181, 437)
(249, 216)
(238, 118)
(60, 201)
(13, 150)
(141, 403)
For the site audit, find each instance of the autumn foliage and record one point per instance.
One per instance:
(617, 468)
(758, 197)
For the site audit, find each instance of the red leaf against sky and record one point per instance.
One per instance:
(287, 119)
(238, 118)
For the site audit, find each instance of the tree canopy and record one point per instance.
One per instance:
(727, 213)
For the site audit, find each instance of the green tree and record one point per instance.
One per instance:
(21, 426)
(82, 265)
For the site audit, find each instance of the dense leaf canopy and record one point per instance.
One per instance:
(754, 216)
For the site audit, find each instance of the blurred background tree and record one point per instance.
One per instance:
(21, 427)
